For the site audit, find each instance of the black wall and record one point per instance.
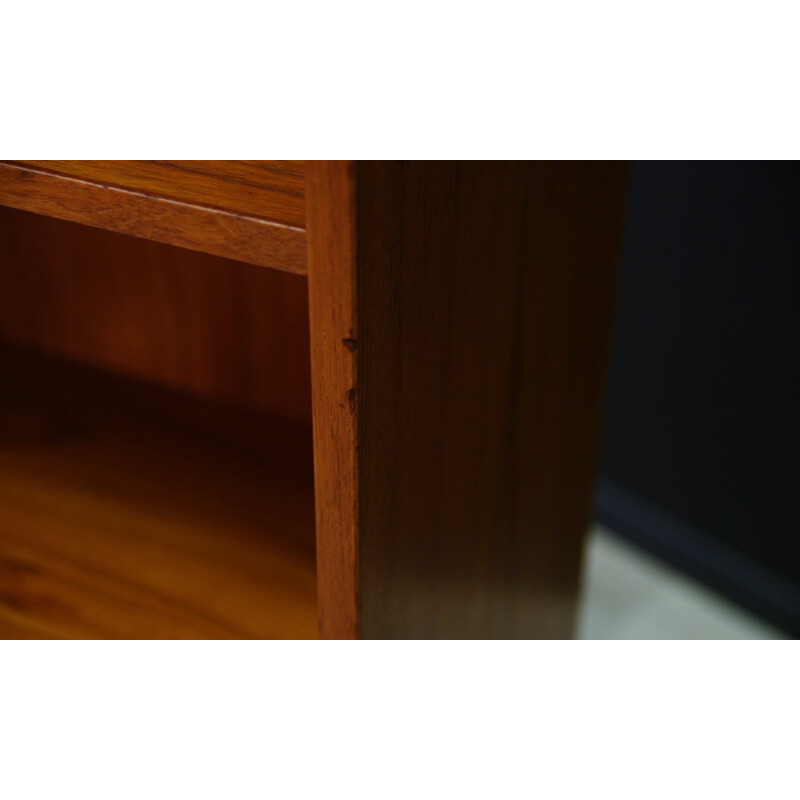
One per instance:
(702, 434)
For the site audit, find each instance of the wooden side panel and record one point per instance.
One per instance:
(269, 189)
(483, 295)
(187, 320)
(332, 300)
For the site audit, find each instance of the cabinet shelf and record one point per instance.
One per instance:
(249, 211)
(127, 511)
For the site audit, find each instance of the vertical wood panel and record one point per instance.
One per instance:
(330, 204)
(483, 295)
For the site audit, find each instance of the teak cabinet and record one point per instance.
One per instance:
(290, 399)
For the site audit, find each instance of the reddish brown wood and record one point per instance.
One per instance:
(131, 512)
(117, 207)
(267, 189)
(468, 394)
(459, 315)
(204, 324)
(332, 300)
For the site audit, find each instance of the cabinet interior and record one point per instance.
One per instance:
(155, 440)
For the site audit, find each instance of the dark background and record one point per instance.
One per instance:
(700, 455)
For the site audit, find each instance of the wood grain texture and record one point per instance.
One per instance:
(482, 294)
(137, 211)
(187, 320)
(127, 512)
(332, 301)
(272, 190)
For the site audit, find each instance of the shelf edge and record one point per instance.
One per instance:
(209, 230)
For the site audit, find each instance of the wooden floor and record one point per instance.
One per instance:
(128, 513)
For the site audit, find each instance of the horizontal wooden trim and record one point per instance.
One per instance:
(272, 190)
(196, 227)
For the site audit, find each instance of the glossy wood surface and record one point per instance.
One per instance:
(473, 317)
(191, 321)
(272, 190)
(331, 218)
(127, 512)
(150, 209)
(459, 317)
